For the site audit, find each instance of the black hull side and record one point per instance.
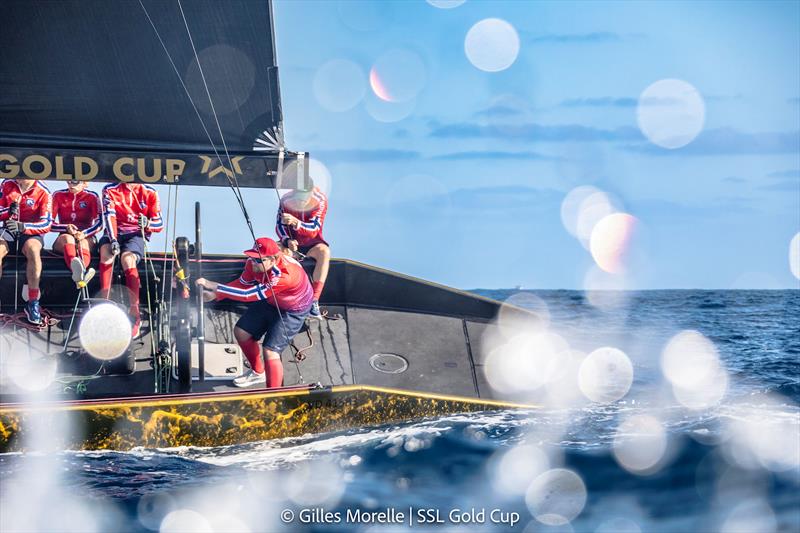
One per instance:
(434, 331)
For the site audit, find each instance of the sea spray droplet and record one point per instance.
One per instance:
(605, 375)
(556, 497)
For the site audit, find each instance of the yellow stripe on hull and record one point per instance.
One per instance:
(224, 419)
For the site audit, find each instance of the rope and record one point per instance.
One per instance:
(149, 304)
(20, 320)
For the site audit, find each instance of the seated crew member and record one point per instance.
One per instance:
(129, 210)
(77, 216)
(282, 297)
(25, 209)
(300, 217)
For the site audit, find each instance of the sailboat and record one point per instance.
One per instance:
(180, 94)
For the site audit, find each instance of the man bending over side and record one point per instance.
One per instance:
(281, 299)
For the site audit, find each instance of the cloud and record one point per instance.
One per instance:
(533, 132)
(782, 186)
(727, 141)
(500, 110)
(657, 208)
(605, 101)
(477, 154)
(575, 38)
(795, 173)
(364, 155)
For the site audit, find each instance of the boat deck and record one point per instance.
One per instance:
(383, 329)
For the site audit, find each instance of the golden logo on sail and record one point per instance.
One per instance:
(221, 168)
(86, 168)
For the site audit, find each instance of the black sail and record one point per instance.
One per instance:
(157, 91)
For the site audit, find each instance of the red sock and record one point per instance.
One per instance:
(317, 286)
(106, 270)
(132, 282)
(33, 294)
(274, 373)
(252, 350)
(86, 257)
(69, 253)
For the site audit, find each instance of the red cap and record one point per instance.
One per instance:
(264, 247)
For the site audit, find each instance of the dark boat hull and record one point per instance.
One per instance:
(221, 419)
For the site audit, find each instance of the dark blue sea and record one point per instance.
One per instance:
(705, 437)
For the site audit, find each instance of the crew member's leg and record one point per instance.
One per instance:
(249, 328)
(321, 253)
(250, 348)
(65, 244)
(128, 262)
(32, 250)
(283, 326)
(85, 250)
(106, 268)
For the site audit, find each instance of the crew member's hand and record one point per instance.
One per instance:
(79, 235)
(209, 296)
(115, 247)
(290, 220)
(14, 227)
(292, 245)
(144, 222)
(72, 229)
(206, 284)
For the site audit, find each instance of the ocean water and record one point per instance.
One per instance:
(724, 456)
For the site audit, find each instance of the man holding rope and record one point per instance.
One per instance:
(282, 298)
(25, 208)
(300, 218)
(132, 213)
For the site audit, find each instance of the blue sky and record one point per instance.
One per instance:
(466, 190)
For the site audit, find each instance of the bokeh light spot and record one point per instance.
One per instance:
(105, 331)
(339, 85)
(671, 113)
(556, 497)
(397, 76)
(610, 241)
(605, 375)
(794, 256)
(445, 4)
(640, 444)
(492, 45)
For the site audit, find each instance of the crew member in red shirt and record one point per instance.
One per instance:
(129, 209)
(25, 210)
(282, 297)
(78, 217)
(300, 218)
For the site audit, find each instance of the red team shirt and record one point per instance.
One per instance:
(35, 206)
(122, 205)
(311, 218)
(284, 286)
(83, 210)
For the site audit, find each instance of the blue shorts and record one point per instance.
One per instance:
(129, 242)
(262, 319)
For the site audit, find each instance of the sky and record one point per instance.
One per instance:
(469, 145)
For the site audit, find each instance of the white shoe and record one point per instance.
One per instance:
(76, 266)
(87, 277)
(250, 378)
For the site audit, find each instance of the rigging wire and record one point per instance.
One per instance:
(232, 179)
